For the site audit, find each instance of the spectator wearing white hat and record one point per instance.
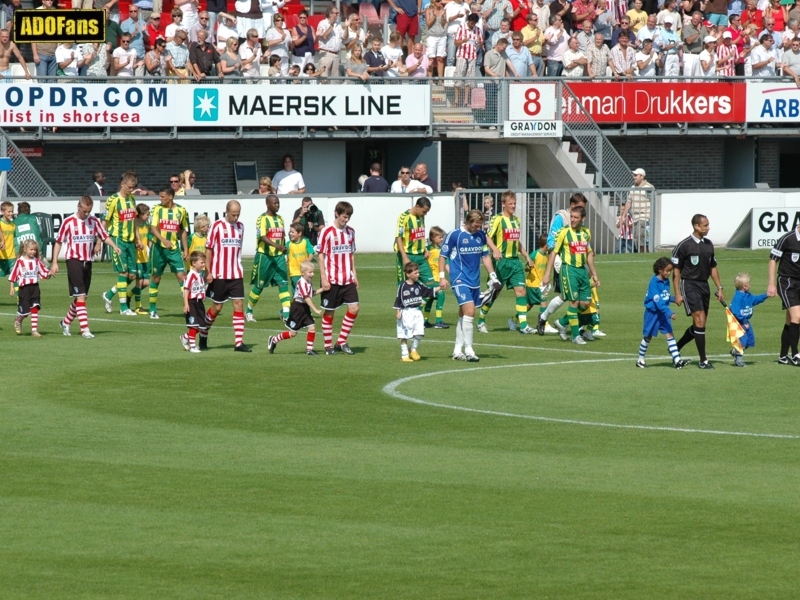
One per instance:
(708, 57)
(669, 43)
(638, 207)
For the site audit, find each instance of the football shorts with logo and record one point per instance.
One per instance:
(268, 270)
(161, 258)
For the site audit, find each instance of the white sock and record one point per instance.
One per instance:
(403, 350)
(467, 327)
(415, 342)
(552, 307)
(459, 336)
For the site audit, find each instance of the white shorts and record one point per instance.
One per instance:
(437, 46)
(411, 323)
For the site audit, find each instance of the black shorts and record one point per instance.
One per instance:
(299, 317)
(196, 317)
(79, 277)
(29, 297)
(222, 290)
(789, 291)
(338, 295)
(557, 283)
(696, 296)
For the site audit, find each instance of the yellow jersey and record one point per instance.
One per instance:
(433, 259)
(197, 243)
(299, 252)
(7, 230)
(505, 233)
(273, 229)
(411, 231)
(143, 255)
(120, 214)
(534, 277)
(573, 246)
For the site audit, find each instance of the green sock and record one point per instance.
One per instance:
(122, 290)
(137, 296)
(522, 311)
(153, 296)
(484, 311)
(255, 294)
(564, 321)
(111, 293)
(285, 297)
(440, 296)
(572, 319)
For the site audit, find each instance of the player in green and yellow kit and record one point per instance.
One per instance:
(504, 241)
(8, 255)
(299, 250)
(410, 242)
(434, 250)
(574, 246)
(143, 241)
(533, 280)
(269, 265)
(169, 226)
(119, 220)
(198, 238)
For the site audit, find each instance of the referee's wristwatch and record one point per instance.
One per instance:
(719, 287)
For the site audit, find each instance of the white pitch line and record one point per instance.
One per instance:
(391, 389)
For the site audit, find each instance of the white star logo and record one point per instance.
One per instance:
(205, 104)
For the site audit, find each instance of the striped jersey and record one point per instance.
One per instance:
(195, 284)
(7, 230)
(469, 49)
(142, 256)
(28, 271)
(121, 214)
(169, 222)
(433, 259)
(337, 247)
(505, 232)
(78, 236)
(271, 228)
(303, 290)
(411, 230)
(573, 246)
(225, 239)
(534, 277)
(299, 252)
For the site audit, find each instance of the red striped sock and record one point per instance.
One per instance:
(327, 330)
(238, 328)
(34, 319)
(281, 336)
(210, 318)
(347, 326)
(310, 340)
(192, 333)
(83, 317)
(71, 314)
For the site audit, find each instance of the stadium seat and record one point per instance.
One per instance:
(18, 71)
(477, 99)
(369, 14)
(385, 10)
(291, 20)
(314, 20)
(449, 72)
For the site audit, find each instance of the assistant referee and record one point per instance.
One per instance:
(693, 262)
(787, 254)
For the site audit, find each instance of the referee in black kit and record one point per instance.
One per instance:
(693, 262)
(787, 253)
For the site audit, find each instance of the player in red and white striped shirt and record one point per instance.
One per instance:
(79, 232)
(194, 292)
(224, 272)
(300, 311)
(25, 275)
(337, 247)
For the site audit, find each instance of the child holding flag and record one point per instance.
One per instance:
(742, 309)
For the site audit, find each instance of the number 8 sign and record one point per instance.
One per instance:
(532, 102)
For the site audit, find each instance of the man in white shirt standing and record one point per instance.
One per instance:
(455, 13)
(287, 180)
(125, 58)
(250, 53)
(330, 36)
(406, 185)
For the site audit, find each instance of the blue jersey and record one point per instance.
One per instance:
(464, 251)
(658, 297)
(742, 308)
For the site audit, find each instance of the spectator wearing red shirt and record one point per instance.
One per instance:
(152, 31)
(519, 17)
(753, 15)
(738, 37)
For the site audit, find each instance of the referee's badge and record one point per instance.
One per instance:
(795, 257)
(695, 260)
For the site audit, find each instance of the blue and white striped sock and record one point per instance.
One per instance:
(673, 349)
(643, 348)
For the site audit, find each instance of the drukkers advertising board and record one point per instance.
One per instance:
(768, 225)
(282, 105)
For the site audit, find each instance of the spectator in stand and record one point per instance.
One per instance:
(533, 40)
(520, 57)
(791, 62)
(98, 185)
(792, 11)
(215, 8)
(646, 60)
(468, 40)
(751, 42)
(620, 8)
(436, 21)
(581, 11)
(792, 31)
(264, 187)
(110, 6)
(177, 55)
(562, 9)
(669, 44)
(497, 64)
(727, 56)
(69, 59)
(716, 12)
(175, 183)
(556, 39)
(203, 57)
(393, 54)
(769, 27)
(504, 32)
(417, 62)
(356, 36)
(376, 64)
(775, 12)
(736, 7)
(136, 27)
(638, 206)
(152, 31)
(330, 36)
(575, 61)
(155, 61)
(287, 180)
(7, 49)
(10, 8)
(226, 28)
(269, 8)
(187, 179)
(356, 66)
(707, 59)
(206, 23)
(585, 36)
(519, 14)
(230, 63)
(189, 8)
(250, 53)
(637, 17)
(407, 21)
(455, 13)
(623, 58)
(541, 9)
(375, 184)
(493, 13)
(753, 15)
(302, 40)
(670, 10)
(624, 25)
(603, 23)
(176, 25)
(406, 185)
(421, 175)
(764, 57)
(113, 32)
(249, 16)
(649, 31)
(280, 43)
(126, 63)
(693, 34)
(598, 56)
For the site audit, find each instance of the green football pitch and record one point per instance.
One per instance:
(132, 469)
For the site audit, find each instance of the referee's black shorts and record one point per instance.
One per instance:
(696, 296)
(789, 291)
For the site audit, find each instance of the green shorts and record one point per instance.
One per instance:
(269, 270)
(575, 284)
(142, 270)
(534, 296)
(161, 257)
(6, 266)
(510, 272)
(425, 274)
(125, 261)
(295, 279)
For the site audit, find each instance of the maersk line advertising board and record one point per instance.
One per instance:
(227, 105)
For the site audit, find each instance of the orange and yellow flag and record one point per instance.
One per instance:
(734, 331)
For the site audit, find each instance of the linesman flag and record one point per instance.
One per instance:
(734, 331)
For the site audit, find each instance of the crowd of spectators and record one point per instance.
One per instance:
(493, 38)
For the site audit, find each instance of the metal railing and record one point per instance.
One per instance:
(23, 180)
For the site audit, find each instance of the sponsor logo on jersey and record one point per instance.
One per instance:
(578, 247)
(169, 225)
(127, 214)
(417, 234)
(276, 233)
(82, 239)
(342, 249)
(795, 257)
(231, 242)
(511, 235)
(695, 260)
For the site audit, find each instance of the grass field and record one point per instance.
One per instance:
(132, 469)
